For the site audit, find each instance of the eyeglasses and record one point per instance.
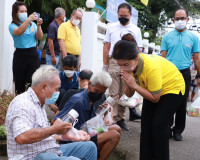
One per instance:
(180, 18)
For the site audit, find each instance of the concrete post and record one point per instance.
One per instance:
(89, 48)
(6, 46)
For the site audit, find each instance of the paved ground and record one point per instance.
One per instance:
(188, 149)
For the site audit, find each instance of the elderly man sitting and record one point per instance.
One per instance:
(83, 103)
(29, 135)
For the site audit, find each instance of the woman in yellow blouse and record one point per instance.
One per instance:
(162, 87)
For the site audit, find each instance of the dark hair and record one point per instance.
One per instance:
(85, 74)
(70, 61)
(150, 50)
(15, 9)
(124, 49)
(129, 37)
(124, 5)
(181, 9)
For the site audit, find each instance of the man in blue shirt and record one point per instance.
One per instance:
(84, 78)
(53, 48)
(178, 46)
(69, 76)
(83, 103)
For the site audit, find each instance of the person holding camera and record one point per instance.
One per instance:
(25, 33)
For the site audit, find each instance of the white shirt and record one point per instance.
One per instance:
(24, 113)
(115, 31)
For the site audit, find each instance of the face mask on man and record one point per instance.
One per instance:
(123, 20)
(93, 96)
(65, 19)
(53, 98)
(69, 73)
(23, 17)
(75, 21)
(180, 25)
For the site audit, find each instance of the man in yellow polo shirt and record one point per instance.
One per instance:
(69, 36)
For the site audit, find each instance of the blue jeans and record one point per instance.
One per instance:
(48, 61)
(72, 151)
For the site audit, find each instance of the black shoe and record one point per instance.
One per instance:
(133, 115)
(177, 136)
(123, 125)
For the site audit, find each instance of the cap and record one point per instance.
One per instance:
(110, 100)
(73, 113)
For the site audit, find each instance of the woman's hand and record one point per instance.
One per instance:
(39, 22)
(32, 17)
(129, 80)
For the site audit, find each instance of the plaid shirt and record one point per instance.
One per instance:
(24, 113)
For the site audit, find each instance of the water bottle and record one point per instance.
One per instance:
(71, 116)
(101, 111)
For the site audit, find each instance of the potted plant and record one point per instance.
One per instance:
(5, 99)
(2, 132)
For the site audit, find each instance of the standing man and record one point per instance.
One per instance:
(53, 48)
(178, 46)
(69, 36)
(114, 34)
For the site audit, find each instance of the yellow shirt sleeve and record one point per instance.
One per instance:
(154, 80)
(62, 32)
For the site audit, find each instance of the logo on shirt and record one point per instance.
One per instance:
(32, 29)
(188, 45)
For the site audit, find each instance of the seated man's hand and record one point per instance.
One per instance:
(75, 135)
(53, 107)
(84, 135)
(61, 127)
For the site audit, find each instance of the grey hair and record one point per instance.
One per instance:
(76, 10)
(59, 11)
(101, 78)
(44, 73)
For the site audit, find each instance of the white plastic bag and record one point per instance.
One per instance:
(95, 126)
(131, 102)
(108, 119)
(194, 108)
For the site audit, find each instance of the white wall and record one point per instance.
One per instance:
(6, 46)
(92, 32)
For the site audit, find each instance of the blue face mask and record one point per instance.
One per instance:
(23, 17)
(53, 98)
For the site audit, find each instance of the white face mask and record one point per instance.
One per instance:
(69, 73)
(75, 22)
(180, 25)
(65, 19)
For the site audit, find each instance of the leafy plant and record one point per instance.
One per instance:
(5, 99)
(2, 131)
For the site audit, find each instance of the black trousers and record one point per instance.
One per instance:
(25, 63)
(180, 116)
(154, 138)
